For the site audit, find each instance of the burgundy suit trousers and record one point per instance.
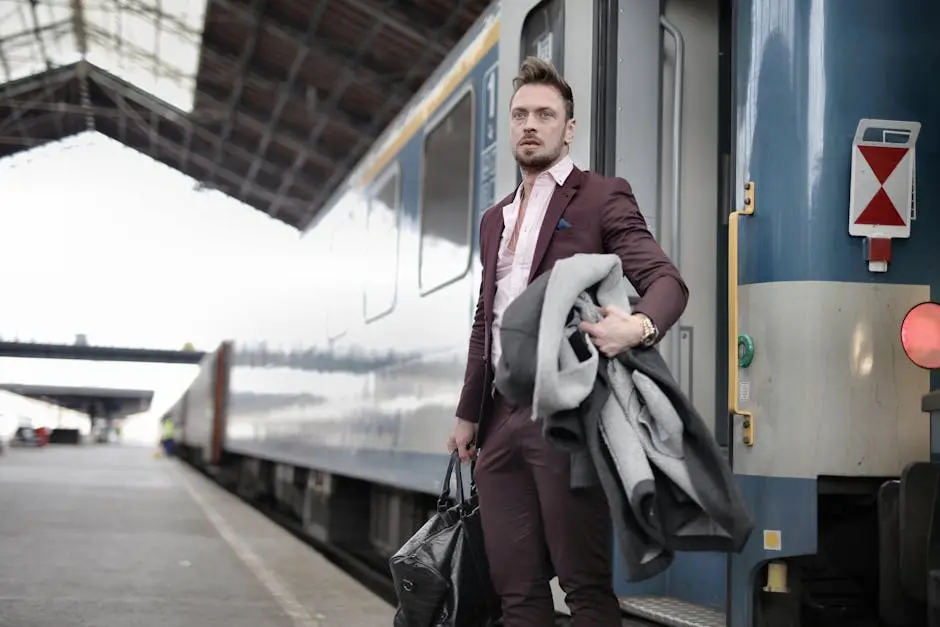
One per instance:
(535, 526)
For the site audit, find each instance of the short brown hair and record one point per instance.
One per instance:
(536, 71)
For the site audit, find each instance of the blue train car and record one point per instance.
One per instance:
(738, 125)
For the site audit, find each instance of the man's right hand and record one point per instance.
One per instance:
(463, 439)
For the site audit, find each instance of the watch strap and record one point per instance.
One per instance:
(650, 332)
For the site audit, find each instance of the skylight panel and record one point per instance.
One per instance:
(152, 44)
(35, 38)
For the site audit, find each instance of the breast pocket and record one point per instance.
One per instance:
(567, 242)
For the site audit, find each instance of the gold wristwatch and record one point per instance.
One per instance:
(650, 332)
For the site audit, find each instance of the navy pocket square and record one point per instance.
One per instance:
(562, 225)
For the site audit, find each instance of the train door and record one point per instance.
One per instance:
(661, 99)
(660, 106)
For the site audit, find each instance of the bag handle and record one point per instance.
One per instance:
(473, 473)
(454, 463)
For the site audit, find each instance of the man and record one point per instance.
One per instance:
(534, 525)
(168, 436)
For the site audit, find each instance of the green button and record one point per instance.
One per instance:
(745, 350)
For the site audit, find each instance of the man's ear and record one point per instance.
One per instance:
(569, 131)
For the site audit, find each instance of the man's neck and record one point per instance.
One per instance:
(529, 176)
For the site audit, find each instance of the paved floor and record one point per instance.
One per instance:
(107, 536)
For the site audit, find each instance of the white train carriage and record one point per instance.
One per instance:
(341, 402)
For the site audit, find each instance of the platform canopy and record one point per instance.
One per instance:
(96, 402)
(270, 101)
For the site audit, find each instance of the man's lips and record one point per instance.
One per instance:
(530, 142)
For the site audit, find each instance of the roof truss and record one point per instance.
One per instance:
(270, 101)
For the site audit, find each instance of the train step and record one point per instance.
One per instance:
(672, 612)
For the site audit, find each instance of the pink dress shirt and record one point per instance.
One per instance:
(512, 270)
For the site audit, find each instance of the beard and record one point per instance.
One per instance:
(536, 158)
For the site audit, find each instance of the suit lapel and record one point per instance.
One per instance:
(556, 207)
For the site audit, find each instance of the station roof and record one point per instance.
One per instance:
(272, 102)
(100, 402)
(39, 350)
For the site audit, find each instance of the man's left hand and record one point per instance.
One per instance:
(617, 332)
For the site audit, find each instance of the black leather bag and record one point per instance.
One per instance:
(441, 574)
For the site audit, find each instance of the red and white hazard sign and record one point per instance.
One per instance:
(881, 199)
(882, 178)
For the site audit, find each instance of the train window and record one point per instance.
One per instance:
(347, 223)
(382, 235)
(543, 33)
(446, 211)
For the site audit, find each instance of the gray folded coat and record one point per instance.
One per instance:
(625, 421)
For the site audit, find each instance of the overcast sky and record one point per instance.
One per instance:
(96, 238)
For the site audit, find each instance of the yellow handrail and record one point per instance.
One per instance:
(748, 424)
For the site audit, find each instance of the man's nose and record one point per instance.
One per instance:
(529, 122)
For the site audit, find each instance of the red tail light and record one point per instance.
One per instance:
(920, 335)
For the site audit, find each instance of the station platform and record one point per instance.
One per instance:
(109, 536)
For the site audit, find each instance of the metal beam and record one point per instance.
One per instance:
(153, 11)
(397, 22)
(33, 130)
(252, 118)
(389, 87)
(202, 161)
(10, 87)
(111, 82)
(81, 38)
(116, 88)
(336, 94)
(62, 107)
(37, 30)
(29, 84)
(23, 142)
(47, 83)
(130, 51)
(41, 102)
(283, 94)
(354, 155)
(78, 25)
(29, 350)
(257, 7)
(257, 76)
(30, 32)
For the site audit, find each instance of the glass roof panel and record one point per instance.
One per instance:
(152, 44)
(35, 38)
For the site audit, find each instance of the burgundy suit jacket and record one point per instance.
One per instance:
(603, 218)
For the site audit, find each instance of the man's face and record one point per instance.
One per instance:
(538, 131)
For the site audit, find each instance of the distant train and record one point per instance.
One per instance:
(340, 404)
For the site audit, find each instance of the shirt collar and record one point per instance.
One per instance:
(560, 172)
